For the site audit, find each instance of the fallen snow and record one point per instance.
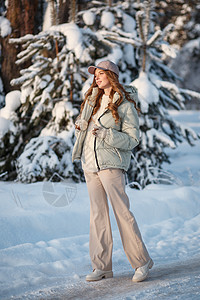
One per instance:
(44, 248)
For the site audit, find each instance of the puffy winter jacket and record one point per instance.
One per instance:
(115, 150)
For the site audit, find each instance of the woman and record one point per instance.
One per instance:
(107, 130)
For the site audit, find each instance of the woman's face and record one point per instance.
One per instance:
(101, 79)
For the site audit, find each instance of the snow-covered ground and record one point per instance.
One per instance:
(44, 249)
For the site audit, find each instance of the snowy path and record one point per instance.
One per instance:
(170, 281)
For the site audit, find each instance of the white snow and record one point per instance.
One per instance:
(147, 92)
(86, 86)
(88, 17)
(129, 24)
(4, 125)
(160, 136)
(25, 92)
(5, 28)
(47, 16)
(13, 100)
(74, 37)
(44, 248)
(129, 56)
(107, 19)
(12, 103)
(114, 56)
(180, 22)
(169, 50)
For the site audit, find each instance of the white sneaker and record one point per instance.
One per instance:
(142, 273)
(98, 275)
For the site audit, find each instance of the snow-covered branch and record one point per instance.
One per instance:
(116, 37)
(154, 37)
(190, 93)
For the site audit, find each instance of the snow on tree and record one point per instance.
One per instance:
(106, 21)
(5, 30)
(46, 112)
(185, 37)
(10, 129)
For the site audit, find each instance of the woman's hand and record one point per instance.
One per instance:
(81, 124)
(99, 131)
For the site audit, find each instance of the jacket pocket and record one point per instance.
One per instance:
(103, 146)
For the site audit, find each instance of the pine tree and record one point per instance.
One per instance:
(157, 93)
(46, 113)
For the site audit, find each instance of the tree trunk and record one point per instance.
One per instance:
(30, 9)
(63, 14)
(65, 7)
(21, 14)
(73, 11)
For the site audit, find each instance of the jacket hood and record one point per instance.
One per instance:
(132, 92)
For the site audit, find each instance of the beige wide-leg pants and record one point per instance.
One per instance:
(111, 183)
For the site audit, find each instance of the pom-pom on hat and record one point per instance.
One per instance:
(105, 65)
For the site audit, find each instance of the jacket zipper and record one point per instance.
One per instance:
(95, 153)
(95, 143)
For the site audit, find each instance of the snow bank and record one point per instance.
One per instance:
(27, 217)
(43, 244)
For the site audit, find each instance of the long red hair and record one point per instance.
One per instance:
(116, 87)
